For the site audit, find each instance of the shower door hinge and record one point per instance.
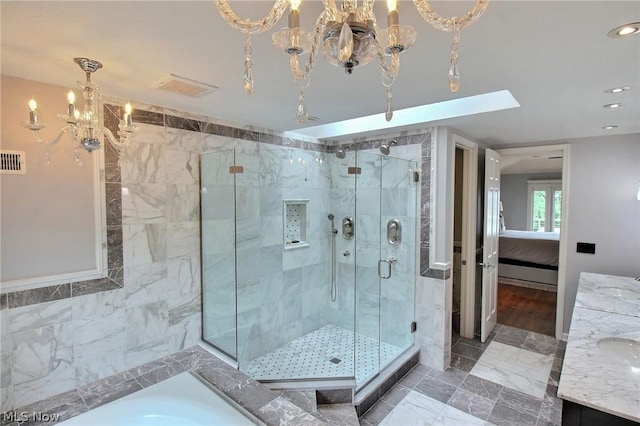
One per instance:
(236, 169)
(414, 326)
(416, 177)
(354, 170)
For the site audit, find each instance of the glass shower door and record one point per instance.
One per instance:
(386, 210)
(367, 235)
(217, 194)
(398, 230)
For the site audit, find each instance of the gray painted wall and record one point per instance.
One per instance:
(47, 225)
(604, 175)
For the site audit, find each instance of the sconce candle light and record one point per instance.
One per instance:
(84, 125)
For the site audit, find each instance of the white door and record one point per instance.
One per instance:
(490, 244)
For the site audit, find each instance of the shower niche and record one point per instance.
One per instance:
(295, 224)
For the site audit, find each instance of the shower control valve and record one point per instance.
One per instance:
(346, 253)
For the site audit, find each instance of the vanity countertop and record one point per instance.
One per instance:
(606, 307)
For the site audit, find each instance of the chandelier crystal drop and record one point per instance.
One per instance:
(348, 36)
(84, 124)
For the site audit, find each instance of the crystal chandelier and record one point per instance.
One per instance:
(348, 37)
(84, 124)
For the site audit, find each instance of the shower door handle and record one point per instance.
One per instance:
(388, 262)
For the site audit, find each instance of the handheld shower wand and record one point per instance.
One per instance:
(333, 284)
(333, 228)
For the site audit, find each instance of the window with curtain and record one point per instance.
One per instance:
(544, 205)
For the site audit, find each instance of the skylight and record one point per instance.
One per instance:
(424, 114)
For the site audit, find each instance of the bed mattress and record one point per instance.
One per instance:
(535, 248)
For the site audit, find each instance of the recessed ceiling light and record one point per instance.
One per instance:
(610, 127)
(625, 30)
(612, 106)
(618, 89)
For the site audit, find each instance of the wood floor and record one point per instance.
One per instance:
(527, 308)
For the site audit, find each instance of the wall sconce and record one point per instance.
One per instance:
(84, 124)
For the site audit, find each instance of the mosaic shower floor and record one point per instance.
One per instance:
(324, 353)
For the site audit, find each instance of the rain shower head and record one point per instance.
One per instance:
(385, 148)
(330, 217)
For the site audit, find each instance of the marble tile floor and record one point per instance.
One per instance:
(486, 384)
(325, 352)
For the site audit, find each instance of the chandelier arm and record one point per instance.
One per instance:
(331, 8)
(447, 24)
(252, 27)
(298, 74)
(112, 139)
(119, 143)
(389, 71)
(367, 9)
(54, 141)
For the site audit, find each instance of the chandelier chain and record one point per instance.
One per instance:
(454, 74)
(248, 66)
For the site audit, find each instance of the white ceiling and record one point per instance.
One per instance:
(553, 56)
(542, 162)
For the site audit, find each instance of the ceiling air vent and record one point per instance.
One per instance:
(12, 162)
(184, 86)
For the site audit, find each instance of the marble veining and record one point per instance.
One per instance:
(416, 406)
(593, 378)
(590, 376)
(609, 293)
(515, 368)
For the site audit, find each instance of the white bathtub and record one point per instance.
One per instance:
(179, 401)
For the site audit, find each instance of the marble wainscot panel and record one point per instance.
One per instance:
(606, 307)
(430, 316)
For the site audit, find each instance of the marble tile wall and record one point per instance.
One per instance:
(61, 338)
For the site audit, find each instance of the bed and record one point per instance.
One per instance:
(529, 256)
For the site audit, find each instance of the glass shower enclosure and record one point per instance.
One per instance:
(308, 261)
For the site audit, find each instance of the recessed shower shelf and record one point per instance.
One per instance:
(295, 224)
(294, 245)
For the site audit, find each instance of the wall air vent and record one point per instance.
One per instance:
(13, 162)
(184, 86)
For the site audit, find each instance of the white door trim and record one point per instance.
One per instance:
(469, 216)
(562, 260)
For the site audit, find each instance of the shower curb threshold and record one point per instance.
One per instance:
(369, 394)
